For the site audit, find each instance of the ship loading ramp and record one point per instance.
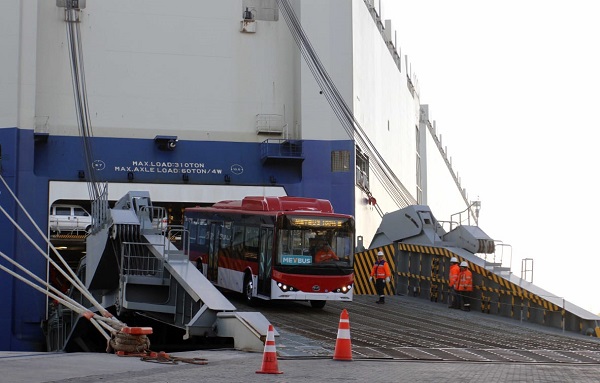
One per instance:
(140, 272)
(419, 250)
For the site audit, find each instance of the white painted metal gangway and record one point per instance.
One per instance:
(420, 250)
(136, 271)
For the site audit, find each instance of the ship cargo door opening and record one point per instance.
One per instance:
(71, 241)
(265, 261)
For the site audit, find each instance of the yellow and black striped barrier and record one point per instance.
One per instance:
(363, 264)
(420, 270)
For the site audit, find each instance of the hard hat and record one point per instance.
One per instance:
(453, 260)
(380, 254)
(464, 264)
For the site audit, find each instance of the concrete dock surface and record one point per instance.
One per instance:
(237, 366)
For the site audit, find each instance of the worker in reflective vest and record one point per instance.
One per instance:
(325, 254)
(381, 272)
(464, 286)
(452, 283)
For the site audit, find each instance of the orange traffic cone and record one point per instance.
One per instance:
(343, 346)
(269, 363)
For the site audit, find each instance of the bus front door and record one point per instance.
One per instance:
(265, 261)
(213, 252)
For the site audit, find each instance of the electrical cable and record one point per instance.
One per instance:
(391, 183)
(80, 97)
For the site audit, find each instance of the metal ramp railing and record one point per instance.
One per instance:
(422, 271)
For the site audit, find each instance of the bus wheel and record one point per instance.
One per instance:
(318, 304)
(248, 288)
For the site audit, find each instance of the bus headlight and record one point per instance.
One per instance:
(285, 287)
(343, 289)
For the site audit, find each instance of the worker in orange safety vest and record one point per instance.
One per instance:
(452, 283)
(381, 272)
(325, 254)
(464, 286)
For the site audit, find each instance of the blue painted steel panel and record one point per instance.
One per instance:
(29, 166)
(204, 162)
(24, 307)
(8, 145)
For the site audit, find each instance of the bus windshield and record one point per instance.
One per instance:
(316, 241)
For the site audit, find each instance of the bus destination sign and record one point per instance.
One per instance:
(316, 222)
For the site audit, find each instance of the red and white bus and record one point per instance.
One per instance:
(286, 248)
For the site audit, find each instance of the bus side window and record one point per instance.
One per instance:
(201, 238)
(251, 243)
(237, 242)
(193, 228)
(226, 235)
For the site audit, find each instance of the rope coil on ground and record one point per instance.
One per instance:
(120, 341)
(133, 341)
